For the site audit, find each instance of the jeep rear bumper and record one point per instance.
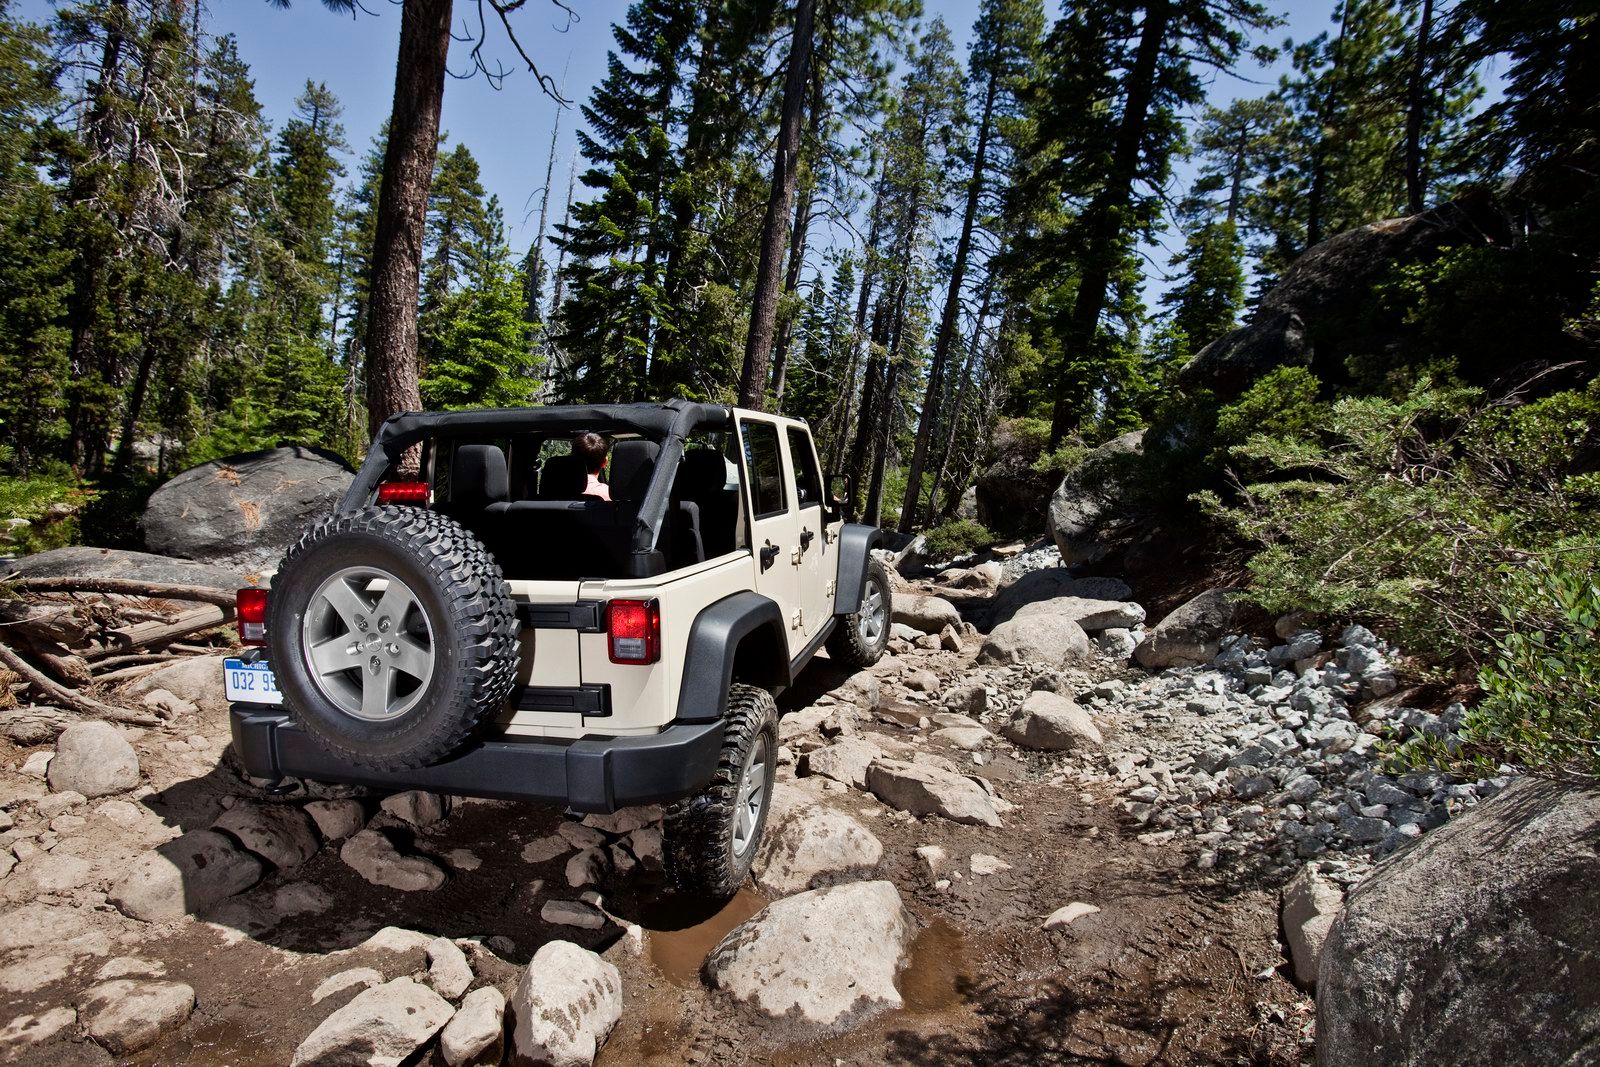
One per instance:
(589, 775)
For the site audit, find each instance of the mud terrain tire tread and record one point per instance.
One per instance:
(475, 644)
(845, 646)
(697, 847)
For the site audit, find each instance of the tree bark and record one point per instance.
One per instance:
(1102, 243)
(1416, 108)
(947, 322)
(959, 404)
(791, 284)
(408, 159)
(775, 224)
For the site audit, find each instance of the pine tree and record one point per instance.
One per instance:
(1206, 302)
(457, 228)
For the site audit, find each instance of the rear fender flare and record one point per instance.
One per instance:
(856, 542)
(744, 622)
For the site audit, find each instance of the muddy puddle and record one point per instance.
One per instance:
(682, 932)
(939, 972)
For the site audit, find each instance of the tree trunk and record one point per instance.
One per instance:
(408, 159)
(791, 284)
(960, 402)
(1103, 245)
(1318, 192)
(1416, 108)
(775, 224)
(947, 322)
(869, 263)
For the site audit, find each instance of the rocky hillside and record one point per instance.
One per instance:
(1044, 827)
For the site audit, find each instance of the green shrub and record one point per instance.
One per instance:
(956, 538)
(1283, 403)
(40, 513)
(1404, 513)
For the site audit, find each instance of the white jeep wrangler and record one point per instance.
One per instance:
(485, 629)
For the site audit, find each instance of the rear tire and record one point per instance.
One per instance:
(712, 838)
(400, 677)
(858, 639)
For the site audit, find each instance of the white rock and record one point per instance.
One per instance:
(625, 820)
(588, 867)
(565, 1006)
(580, 836)
(130, 967)
(925, 790)
(475, 1033)
(373, 856)
(93, 758)
(969, 738)
(544, 849)
(188, 873)
(27, 1030)
(362, 977)
(383, 1025)
(1070, 913)
(936, 858)
(416, 807)
(982, 863)
(398, 939)
(281, 834)
(1052, 723)
(30, 975)
(301, 898)
(827, 957)
(816, 842)
(126, 1014)
(54, 872)
(337, 819)
(927, 614)
(846, 760)
(448, 970)
(1310, 905)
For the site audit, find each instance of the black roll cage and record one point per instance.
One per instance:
(668, 424)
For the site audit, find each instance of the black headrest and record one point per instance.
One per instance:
(703, 471)
(562, 478)
(633, 463)
(477, 476)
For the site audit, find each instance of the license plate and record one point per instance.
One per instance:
(251, 683)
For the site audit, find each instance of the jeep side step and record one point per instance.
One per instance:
(590, 775)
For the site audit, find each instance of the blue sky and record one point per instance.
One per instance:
(508, 130)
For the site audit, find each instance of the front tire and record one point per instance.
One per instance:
(859, 639)
(711, 838)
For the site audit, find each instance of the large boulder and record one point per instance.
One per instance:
(1091, 496)
(384, 1024)
(1321, 310)
(1045, 639)
(924, 790)
(93, 758)
(279, 833)
(186, 874)
(244, 511)
(126, 1015)
(1011, 497)
(1052, 723)
(1191, 635)
(1310, 904)
(828, 957)
(1092, 615)
(80, 561)
(1477, 945)
(814, 844)
(1049, 584)
(197, 679)
(565, 1006)
(930, 614)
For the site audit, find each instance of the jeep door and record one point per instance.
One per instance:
(774, 524)
(818, 555)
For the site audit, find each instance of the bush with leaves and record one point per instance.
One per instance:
(1405, 513)
(40, 513)
(956, 538)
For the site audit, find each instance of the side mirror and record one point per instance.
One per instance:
(840, 489)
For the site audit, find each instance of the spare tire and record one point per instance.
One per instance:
(393, 635)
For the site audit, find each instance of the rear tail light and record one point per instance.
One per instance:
(633, 630)
(251, 607)
(403, 493)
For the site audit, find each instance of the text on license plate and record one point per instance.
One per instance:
(252, 683)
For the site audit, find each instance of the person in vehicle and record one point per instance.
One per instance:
(593, 450)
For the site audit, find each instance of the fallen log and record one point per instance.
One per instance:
(60, 694)
(126, 587)
(123, 639)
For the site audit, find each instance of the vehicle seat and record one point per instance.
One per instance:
(702, 480)
(478, 489)
(562, 478)
(633, 464)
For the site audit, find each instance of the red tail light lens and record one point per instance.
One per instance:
(251, 605)
(403, 493)
(633, 628)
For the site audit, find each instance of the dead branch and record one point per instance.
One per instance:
(126, 587)
(60, 694)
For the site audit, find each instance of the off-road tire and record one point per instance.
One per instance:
(846, 645)
(698, 847)
(461, 591)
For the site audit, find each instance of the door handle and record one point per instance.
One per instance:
(806, 537)
(769, 555)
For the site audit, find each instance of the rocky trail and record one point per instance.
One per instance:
(1036, 832)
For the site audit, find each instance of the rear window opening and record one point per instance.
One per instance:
(523, 496)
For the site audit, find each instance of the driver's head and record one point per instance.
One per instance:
(592, 449)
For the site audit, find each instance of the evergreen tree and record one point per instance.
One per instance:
(457, 229)
(1206, 301)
